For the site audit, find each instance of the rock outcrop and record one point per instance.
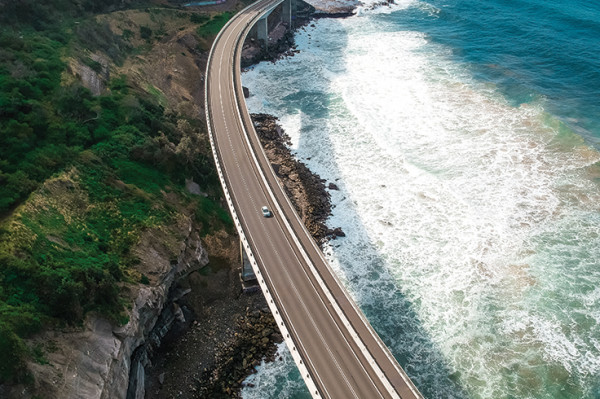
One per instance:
(94, 80)
(237, 357)
(95, 361)
(306, 189)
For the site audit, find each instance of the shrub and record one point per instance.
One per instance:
(214, 25)
(145, 32)
(199, 18)
(125, 153)
(13, 351)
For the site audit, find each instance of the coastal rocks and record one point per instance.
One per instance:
(256, 333)
(306, 189)
(280, 45)
(333, 8)
(335, 233)
(246, 91)
(281, 39)
(221, 324)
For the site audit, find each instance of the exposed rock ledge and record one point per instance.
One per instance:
(94, 361)
(305, 188)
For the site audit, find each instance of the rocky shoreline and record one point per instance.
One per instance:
(306, 189)
(226, 333)
(257, 332)
(281, 39)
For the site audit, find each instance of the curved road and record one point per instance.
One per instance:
(335, 348)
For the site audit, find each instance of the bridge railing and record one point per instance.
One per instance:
(281, 323)
(247, 130)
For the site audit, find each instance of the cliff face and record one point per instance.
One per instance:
(161, 73)
(95, 360)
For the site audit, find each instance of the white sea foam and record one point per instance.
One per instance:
(473, 227)
(370, 7)
(277, 379)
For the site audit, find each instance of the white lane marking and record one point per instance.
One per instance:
(307, 260)
(292, 234)
(254, 202)
(298, 361)
(334, 303)
(292, 283)
(280, 322)
(371, 360)
(338, 310)
(267, 187)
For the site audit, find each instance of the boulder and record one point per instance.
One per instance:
(194, 188)
(337, 232)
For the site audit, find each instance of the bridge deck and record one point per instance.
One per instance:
(335, 348)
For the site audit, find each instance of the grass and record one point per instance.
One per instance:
(158, 95)
(211, 216)
(145, 177)
(214, 25)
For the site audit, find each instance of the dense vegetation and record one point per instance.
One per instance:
(44, 15)
(81, 177)
(211, 26)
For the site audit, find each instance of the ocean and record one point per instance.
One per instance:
(464, 137)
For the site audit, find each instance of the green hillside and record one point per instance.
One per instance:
(83, 175)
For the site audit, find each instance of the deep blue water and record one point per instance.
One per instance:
(533, 50)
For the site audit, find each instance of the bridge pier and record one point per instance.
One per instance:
(247, 276)
(287, 12)
(262, 29)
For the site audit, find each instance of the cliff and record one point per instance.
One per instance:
(96, 245)
(94, 360)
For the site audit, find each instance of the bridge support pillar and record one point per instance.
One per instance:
(249, 281)
(287, 12)
(262, 30)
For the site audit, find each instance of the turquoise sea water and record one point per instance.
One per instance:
(464, 138)
(530, 49)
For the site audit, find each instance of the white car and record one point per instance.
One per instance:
(266, 212)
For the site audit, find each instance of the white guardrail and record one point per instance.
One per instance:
(304, 372)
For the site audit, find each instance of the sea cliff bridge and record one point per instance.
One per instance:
(335, 348)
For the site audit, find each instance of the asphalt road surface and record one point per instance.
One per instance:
(342, 353)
